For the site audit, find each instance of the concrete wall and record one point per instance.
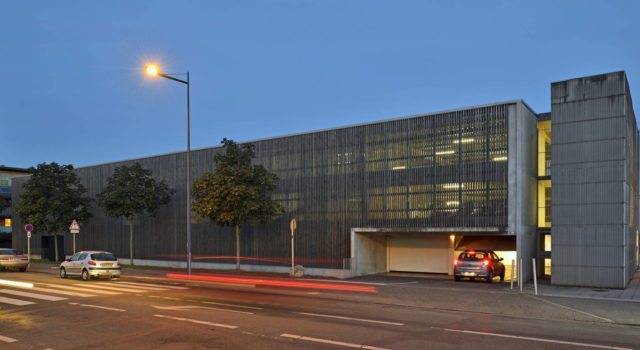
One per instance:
(368, 252)
(522, 182)
(594, 147)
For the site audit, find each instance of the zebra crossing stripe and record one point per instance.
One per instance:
(63, 292)
(15, 301)
(100, 286)
(7, 339)
(31, 295)
(82, 289)
(141, 287)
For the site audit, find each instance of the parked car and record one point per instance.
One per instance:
(13, 259)
(478, 263)
(88, 264)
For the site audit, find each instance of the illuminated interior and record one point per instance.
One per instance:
(544, 148)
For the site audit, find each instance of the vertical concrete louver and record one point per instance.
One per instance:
(595, 182)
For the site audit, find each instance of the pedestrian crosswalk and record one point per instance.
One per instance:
(22, 295)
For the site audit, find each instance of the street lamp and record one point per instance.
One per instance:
(154, 71)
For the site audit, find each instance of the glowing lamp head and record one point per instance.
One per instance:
(152, 69)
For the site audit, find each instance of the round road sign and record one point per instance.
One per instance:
(28, 227)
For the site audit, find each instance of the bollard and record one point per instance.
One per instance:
(535, 277)
(513, 265)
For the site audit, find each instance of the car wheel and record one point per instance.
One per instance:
(502, 276)
(490, 277)
(63, 273)
(457, 278)
(23, 269)
(85, 275)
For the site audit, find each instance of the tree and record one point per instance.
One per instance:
(132, 191)
(237, 192)
(53, 197)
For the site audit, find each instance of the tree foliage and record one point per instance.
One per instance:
(237, 192)
(53, 197)
(132, 191)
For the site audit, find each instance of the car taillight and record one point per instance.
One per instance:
(456, 261)
(25, 259)
(485, 262)
(91, 262)
(118, 263)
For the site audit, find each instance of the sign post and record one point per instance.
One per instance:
(292, 225)
(28, 228)
(74, 228)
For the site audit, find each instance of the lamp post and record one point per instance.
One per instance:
(154, 71)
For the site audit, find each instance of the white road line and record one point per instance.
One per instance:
(232, 305)
(32, 295)
(102, 286)
(63, 292)
(197, 321)
(7, 339)
(191, 307)
(538, 339)
(332, 342)
(15, 301)
(351, 318)
(82, 289)
(570, 308)
(152, 284)
(99, 307)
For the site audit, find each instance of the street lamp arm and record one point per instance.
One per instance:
(172, 78)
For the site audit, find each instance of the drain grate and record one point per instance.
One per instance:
(600, 290)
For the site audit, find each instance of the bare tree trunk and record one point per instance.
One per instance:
(237, 246)
(131, 239)
(55, 245)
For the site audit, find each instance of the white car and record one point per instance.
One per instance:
(88, 264)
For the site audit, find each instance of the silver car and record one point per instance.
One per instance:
(12, 259)
(478, 264)
(88, 264)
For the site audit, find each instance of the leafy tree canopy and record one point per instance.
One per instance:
(132, 191)
(237, 192)
(53, 197)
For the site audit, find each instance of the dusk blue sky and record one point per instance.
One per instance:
(73, 89)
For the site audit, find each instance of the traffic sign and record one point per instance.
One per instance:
(28, 234)
(292, 225)
(28, 227)
(74, 226)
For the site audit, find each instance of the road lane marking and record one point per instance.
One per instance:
(152, 284)
(570, 308)
(538, 339)
(191, 307)
(351, 318)
(15, 301)
(344, 282)
(32, 295)
(232, 305)
(82, 289)
(332, 342)
(99, 307)
(16, 284)
(100, 287)
(197, 321)
(63, 292)
(7, 339)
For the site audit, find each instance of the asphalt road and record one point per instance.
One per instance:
(152, 312)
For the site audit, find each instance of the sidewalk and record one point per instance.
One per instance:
(630, 294)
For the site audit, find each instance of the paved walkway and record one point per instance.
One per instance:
(631, 293)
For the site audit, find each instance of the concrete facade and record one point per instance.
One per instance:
(595, 182)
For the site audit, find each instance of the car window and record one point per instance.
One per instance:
(472, 255)
(82, 256)
(103, 257)
(8, 252)
(75, 257)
